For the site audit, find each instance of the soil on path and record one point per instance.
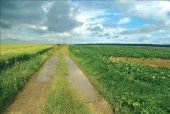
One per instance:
(154, 62)
(30, 100)
(84, 88)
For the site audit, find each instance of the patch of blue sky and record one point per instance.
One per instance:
(136, 22)
(168, 13)
(160, 35)
(103, 4)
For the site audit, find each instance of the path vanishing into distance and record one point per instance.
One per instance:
(85, 89)
(30, 100)
(33, 95)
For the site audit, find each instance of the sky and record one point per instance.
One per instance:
(85, 21)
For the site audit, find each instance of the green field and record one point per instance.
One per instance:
(18, 62)
(130, 88)
(12, 54)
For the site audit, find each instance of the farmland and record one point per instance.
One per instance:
(129, 87)
(84, 56)
(18, 62)
(14, 53)
(62, 99)
(116, 72)
(27, 72)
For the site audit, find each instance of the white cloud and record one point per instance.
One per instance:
(82, 18)
(88, 19)
(156, 10)
(46, 7)
(87, 22)
(87, 16)
(42, 27)
(124, 20)
(81, 30)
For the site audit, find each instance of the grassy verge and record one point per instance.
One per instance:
(61, 98)
(16, 53)
(13, 79)
(130, 88)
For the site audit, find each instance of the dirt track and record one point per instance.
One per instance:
(86, 91)
(30, 100)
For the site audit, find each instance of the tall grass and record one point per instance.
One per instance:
(14, 78)
(62, 99)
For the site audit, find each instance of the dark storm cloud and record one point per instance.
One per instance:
(19, 12)
(60, 18)
(5, 24)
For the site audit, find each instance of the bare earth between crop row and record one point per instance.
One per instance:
(154, 62)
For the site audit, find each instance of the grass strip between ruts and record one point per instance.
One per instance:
(62, 99)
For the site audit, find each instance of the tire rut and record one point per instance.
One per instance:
(85, 89)
(31, 98)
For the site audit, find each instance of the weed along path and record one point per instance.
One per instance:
(86, 91)
(30, 100)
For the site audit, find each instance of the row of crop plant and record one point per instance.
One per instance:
(130, 88)
(130, 51)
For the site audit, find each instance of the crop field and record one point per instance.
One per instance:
(19, 79)
(130, 87)
(18, 62)
(102, 79)
(84, 56)
(14, 53)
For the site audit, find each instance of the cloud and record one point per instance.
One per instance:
(59, 18)
(85, 21)
(124, 21)
(81, 30)
(19, 12)
(145, 29)
(56, 15)
(155, 10)
(104, 30)
(5, 24)
(95, 28)
(148, 29)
